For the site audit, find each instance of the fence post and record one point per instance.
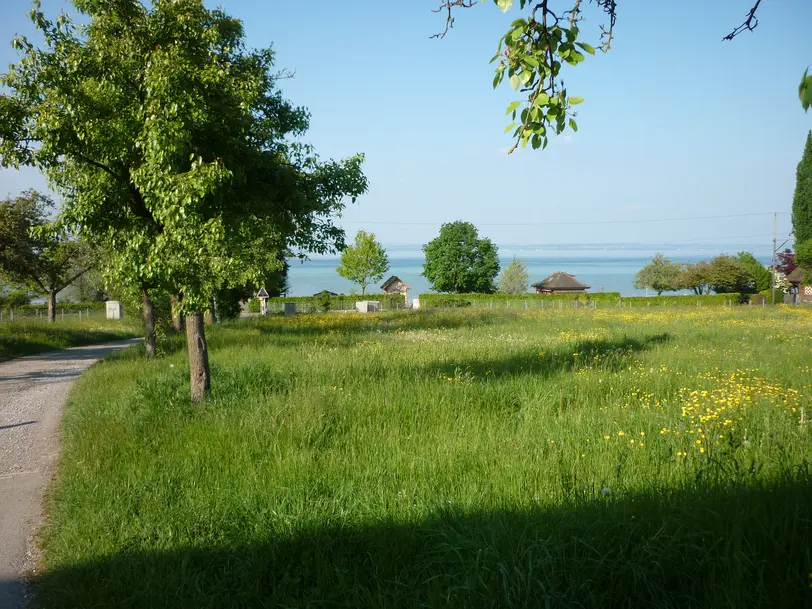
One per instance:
(63, 314)
(80, 314)
(12, 315)
(525, 305)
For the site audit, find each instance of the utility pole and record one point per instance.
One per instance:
(775, 247)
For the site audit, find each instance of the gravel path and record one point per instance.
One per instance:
(33, 391)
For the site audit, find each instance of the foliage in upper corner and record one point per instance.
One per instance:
(459, 261)
(531, 55)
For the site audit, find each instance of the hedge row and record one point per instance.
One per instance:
(95, 305)
(535, 301)
(433, 301)
(685, 300)
(341, 302)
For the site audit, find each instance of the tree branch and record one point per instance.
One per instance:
(750, 23)
(447, 5)
(139, 206)
(98, 165)
(72, 279)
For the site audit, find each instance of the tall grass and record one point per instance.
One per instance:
(583, 458)
(30, 335)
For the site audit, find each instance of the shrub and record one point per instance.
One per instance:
(430, 301)
(686, 300)
(322, 301)
(254, 305)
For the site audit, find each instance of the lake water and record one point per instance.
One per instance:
(604, 267)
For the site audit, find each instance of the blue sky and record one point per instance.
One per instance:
(676, 123)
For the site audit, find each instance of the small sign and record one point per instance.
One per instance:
(263, 293)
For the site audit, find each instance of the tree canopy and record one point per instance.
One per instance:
(364, 262)
(802, 199)
(759, 276)
(171, 145)
(458, 261)
(514, 278)
(695, 277)
(36, 255)
(660, 275)
(727, 274)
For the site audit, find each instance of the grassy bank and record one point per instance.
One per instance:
(28, 336)
(602, 458)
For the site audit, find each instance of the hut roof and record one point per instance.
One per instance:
(796, 276)
(328, 292)
(391, 280)
(560, 281)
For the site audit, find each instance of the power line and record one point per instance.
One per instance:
(579, 223)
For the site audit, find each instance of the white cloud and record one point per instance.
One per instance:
(403, 180)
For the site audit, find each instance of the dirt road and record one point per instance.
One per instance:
(33, 391)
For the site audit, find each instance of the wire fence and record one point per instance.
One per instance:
(62, 314)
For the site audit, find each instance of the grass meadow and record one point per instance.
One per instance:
(590, 458)
(31, 335)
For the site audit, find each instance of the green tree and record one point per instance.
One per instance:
(173, 148)
(364, 262)
(802, 200)
(760, 275)
(35, 254)
(536, 47)
(727, 274)
(459, 261)
(660, 275)
(514, 278)
(695, 277)
(803, 256)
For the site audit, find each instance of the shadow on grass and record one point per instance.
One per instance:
(732, 547)
(346, 329)
(611, 354)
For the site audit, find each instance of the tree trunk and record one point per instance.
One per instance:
(52, 306)
(177, 320)
(148, 313)
(199, 374)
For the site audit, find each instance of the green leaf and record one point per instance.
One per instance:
(515, 82)
(542, 99)
(504, 5)
(509, 127)
(586, 47)
(573, 125)
(513, 105)
(805, 91)
(575, 100)
(536, 141)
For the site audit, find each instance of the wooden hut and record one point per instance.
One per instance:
(560, 283)
(395, 285)
(796, 279)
